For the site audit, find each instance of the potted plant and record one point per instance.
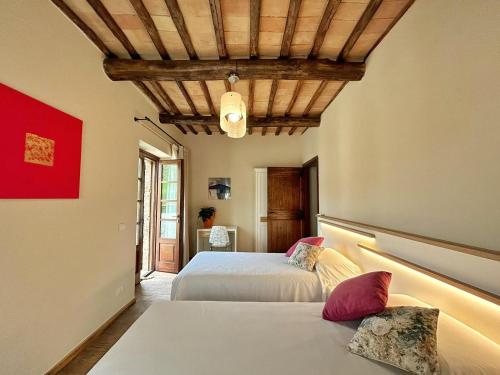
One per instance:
(207, 216)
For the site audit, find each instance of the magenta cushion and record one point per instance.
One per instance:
(358, 297)
(315, 241)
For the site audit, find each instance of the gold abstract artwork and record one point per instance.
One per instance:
(39, 150)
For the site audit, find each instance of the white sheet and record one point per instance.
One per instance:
(259, 277)
(248, 338)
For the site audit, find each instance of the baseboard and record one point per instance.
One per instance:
(71, 355)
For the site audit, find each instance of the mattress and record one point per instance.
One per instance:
(248, 338)
(259, 277)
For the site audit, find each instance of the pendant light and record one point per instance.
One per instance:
(233, 111)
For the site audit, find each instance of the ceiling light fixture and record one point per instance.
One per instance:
(233, 111)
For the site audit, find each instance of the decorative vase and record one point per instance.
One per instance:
(207, 224)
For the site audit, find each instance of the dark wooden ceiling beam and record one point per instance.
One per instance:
(254, 28)
(278, 130)
(200, 70)
(189, 101)
(324, 25)
(291, 21)
(150, 27)
(366, 17)
(291, 131)
(163, 94)
(294, 98)
(83, 27)
(251, 85)
(210, 104)
(252, 121)
(180, 25)
(272, 96)
(315, 97)
(216, 11)
(110, 22)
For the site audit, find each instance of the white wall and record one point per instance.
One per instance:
(221, 156)
(415, 145)
(66, 268)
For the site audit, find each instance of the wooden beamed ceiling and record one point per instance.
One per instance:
(293, 56)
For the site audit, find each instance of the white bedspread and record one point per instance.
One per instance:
(260, 277)
(248, 338)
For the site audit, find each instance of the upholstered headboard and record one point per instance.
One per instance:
(462, 281)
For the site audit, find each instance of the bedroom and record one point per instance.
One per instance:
(412, 147)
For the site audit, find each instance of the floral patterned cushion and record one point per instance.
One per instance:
(305, 256)
(402, 336)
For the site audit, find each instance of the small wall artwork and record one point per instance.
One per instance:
(40, 149)
(219, 188)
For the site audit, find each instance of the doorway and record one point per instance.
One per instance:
(159, 224)
(310, 179)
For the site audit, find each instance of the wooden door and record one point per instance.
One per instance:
(170, 210)
(139, 225)
(284, 208)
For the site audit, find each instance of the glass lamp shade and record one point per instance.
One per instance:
(238, 129)
(232, 110)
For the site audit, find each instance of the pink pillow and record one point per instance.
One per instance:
(315, 241)
(358, 297)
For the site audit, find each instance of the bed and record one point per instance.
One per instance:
(247, 338)
(243, 276)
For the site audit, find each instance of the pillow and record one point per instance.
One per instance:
(358, 297)
(333, 268)
(403, 336)
(316, 241)
(305, 256)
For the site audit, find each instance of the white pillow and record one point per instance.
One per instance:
(333, 268)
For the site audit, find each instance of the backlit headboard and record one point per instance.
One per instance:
(464, 284)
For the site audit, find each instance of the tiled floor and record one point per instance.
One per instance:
(155, 288)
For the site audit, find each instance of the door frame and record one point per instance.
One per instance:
(153, 218)
(180, 217)
(313, 162)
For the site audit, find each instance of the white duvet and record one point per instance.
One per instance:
(248, 338)
(240, 276)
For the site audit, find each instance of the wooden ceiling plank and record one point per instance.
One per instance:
(335, 95)
(315, 97)
(367, 15)
(216, 11)
(146, 91)
(110, 22)
(191, 104)
(189, 101)
(394, 21)
(208, 98)
(180, 25)
(252, 121)
(272, 96)
(83, 27)
(294, 98)
(324, 25)
(200, 70)
(150, 27)
(291, 21)
(254, 28)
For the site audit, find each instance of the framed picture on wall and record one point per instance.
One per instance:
(219, 188)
